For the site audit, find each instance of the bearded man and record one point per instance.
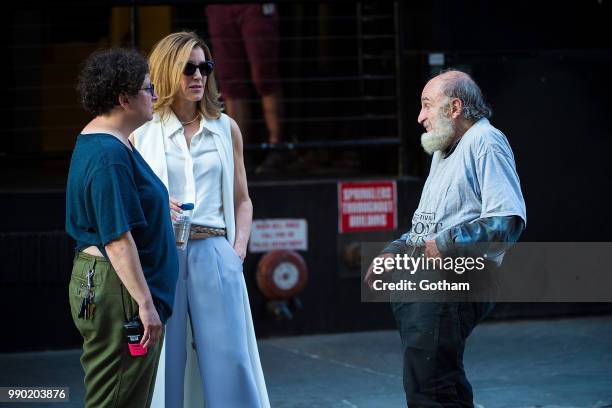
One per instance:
(472, 194)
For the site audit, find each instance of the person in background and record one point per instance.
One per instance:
(126, 265)
(197, 152)
(244, 38)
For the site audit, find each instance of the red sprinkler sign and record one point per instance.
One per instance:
(367, 206)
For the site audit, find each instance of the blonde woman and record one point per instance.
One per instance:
(197, 152)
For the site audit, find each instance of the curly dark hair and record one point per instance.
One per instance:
(106, 74)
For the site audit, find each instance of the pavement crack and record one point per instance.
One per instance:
(335, 362)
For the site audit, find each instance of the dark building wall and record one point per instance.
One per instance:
(545, 68)
(548, 82)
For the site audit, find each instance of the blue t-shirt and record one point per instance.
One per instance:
(111, 190)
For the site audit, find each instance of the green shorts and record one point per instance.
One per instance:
(113, 378)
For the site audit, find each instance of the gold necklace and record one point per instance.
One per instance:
(192, 120)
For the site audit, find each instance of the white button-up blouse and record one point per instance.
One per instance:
(194, 174)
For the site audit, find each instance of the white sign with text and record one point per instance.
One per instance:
(279, 233)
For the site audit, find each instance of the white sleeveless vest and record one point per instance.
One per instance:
(148, 140)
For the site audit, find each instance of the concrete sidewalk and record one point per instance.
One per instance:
(537, 363)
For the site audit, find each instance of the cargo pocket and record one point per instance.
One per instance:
(128, 304)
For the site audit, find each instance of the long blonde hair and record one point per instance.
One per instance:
(167, 60)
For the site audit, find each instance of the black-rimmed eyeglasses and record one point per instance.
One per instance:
(150, 89)
(205, 68)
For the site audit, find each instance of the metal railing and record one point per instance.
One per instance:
(338, 63)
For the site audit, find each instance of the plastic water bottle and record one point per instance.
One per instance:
(182, 225)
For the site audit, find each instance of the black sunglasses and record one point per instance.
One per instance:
(205, 68)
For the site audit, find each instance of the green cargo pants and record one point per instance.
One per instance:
(113, 378)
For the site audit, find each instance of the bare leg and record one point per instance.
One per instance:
(240, 111)
(272, 113)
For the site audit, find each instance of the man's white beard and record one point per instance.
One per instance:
(440, 136)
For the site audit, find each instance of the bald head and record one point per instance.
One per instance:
(457, 84)
(450, 104)
(454, 75)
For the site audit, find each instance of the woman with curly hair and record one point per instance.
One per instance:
(125, 266)
(197, 152)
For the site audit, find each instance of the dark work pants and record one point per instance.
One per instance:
(433, 341)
